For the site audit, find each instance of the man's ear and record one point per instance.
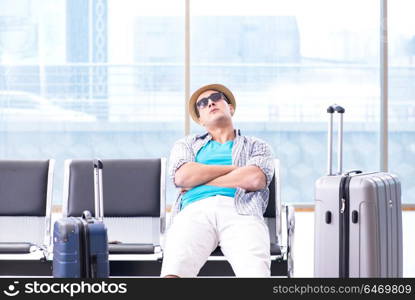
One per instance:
(231, 109)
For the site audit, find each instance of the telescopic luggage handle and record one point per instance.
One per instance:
(331, 110)
(98, 194)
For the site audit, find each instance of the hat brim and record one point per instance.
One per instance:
(217, 87)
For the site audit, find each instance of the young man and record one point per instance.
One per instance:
(224, 178)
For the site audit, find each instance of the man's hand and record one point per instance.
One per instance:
(192, 174)
(250, 178)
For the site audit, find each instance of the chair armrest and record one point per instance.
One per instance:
(289, 214)
(130, 248)
(15, 248)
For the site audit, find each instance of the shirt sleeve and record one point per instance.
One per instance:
(179, 155)
(262, 157)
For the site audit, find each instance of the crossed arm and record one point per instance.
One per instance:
(191, 174)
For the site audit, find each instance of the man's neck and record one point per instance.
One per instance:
(222, 134)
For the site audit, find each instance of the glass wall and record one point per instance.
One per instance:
(402, 95)
(286, 62)
(84, 79)
(105, 78)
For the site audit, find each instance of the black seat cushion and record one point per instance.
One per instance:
(23, 187)
(131, 187)
(127, 248)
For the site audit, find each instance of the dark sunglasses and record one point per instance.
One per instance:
(215, 97)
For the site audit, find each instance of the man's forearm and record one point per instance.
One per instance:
(192, 174)
(250, 178)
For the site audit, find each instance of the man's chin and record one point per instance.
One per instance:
(217, 120)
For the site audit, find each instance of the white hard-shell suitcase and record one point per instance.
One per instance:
(358, 220)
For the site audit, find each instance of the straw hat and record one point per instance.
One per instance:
(217, 87)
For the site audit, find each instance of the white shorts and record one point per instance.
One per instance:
(202, 226)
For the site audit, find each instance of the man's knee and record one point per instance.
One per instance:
(171, 276)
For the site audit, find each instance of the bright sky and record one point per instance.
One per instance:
(335, 11)
(319, 21)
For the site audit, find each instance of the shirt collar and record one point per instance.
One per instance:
(209, 137)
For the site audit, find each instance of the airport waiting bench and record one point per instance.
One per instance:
(25, 214)
(135, 215)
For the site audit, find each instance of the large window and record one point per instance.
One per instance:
(286, 62)
(106, 78)
(402, 94)
(84, 79)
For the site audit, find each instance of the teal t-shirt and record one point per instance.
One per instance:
(213, 153)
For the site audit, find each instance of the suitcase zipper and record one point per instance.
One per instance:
(344, 234)
(82, 265)
(86, 249)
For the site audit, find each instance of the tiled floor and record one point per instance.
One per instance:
(304, 244)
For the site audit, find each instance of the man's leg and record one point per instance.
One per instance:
(244, 241)
(190, 240)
